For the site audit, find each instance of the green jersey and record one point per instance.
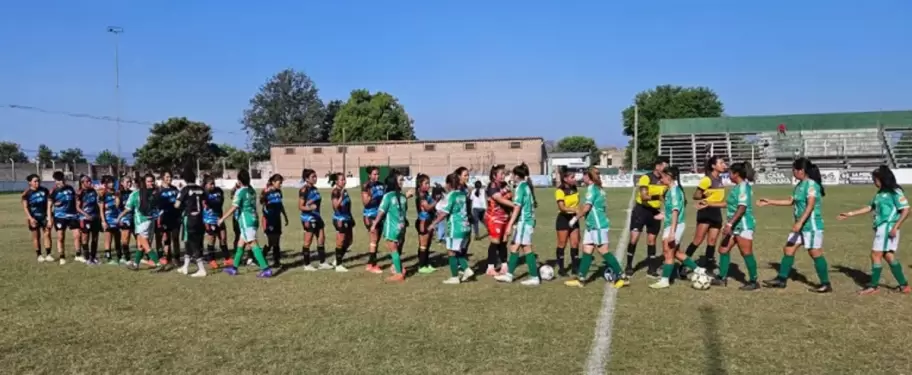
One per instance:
(245, 204)
(458, 219)
(886, 206)
(741, 195)
(801, 194)
(394, 205)
(526, 202)
(674, 201)
(133, 205)
(596, 218)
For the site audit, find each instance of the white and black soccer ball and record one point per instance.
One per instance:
(546, 272)
(609, 275)
(701, 281)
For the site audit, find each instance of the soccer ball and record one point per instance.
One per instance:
(609, 275)
(546, 272)
(701, 282)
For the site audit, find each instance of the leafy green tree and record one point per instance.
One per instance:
(175, 144)
(45, 155)
(665, 102)
(369, 117)
(10, 150)
(287, 109)
(576, 143)
(329, 120)
(234, 157)
(72, 156)
(106, 158)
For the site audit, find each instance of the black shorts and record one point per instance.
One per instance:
(423, 226)
(65, 224)
(343, 225)
(369, 222)
(168, 224)
(90, 225)
(313, 225)
(41, 222)
(273, 227)
(711, 216)
(563, 222)
(643, 216)
(215, 229)
(126, 223)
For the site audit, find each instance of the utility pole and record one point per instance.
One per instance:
(117, 30)
(636, 137)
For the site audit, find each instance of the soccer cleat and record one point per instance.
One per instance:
(183, 270)
(716, 281)
(751, 285)
(92, 262)
(683, 274)
(325, 266)
(200, 273)
(775, 283)
(491, 271)
(228, 263)
(250, 262)
(505, 278)
(467, 275)
(504, 269)
(426, 270)
(822, 289)
(452, 281)
(373, 268)
(112, 262)
(148, 262)
(163, 261)
(340, 268)
(48, 258)
(905, 289)
(309, 268)
(161, 268)
(213, 265)
(132, 266)
(532, 281)
(653, 274)
(629, 271)
(122, 261)
(62, 261)
(40, 259)
(396, 277)
(80, 259)
(265, 274)
(574, 283)
(621, 282)
(230, 270)
(661, 284)
(868, 290)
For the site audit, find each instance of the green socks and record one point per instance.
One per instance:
(785, 268)
(667, 270)
(876, 269)
(154, 256)
(512, 261)
(585, 263)
(238, 255)
(751, 264)
(896, 269)
(454, 265)
(724, 262)
(612, 263)
(397, 261)
(532, 264)
(258, 254)
(823, 270)
(463, 262)
(137, 257)
(689, 263)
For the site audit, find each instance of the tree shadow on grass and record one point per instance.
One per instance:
(712, 344)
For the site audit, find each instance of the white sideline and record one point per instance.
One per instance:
(600, 352)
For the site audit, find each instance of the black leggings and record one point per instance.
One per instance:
(272, 244)
(194, 244)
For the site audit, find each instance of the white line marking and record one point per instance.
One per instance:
(600, 353)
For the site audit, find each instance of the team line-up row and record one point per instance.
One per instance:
(167, 216)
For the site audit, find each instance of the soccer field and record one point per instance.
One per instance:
(106, 319)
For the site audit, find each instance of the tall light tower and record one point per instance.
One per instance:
(117, 30)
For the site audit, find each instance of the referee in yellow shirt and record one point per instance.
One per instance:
(567, 198)
(650, 191)
(709, 219)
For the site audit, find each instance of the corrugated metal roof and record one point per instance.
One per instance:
(423, 141)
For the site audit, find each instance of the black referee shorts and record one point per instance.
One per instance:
(711, 216)
(643, 216)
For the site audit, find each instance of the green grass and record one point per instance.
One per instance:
(76, 319)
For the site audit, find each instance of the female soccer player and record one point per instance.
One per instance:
(215, 202)
(393, 208)
(500, 206)
(371, 194)
(523, 217)
(650, 191)
(141, 205)
(675, 204)
(245, 201)
(424, 202)
(479, 199)
(89, 222)
(273, 212)
(807, 200)
(437, 193)
(37, 211)
(462, 173)
(594, 210)
(309, 201)
(342, 218)
(457, 218)
(709, 216)
(739, 225)
(890, 209)
(65, 216)
(168, 223)
(111, 211)
(125, 223)
(567, 197)
(235, 228)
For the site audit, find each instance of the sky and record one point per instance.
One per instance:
(462, 69)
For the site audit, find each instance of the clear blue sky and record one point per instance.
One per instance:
(462, 69)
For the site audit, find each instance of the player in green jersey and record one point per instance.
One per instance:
(391, 215)
(458, 229)
(245, 202)
(739, 225)
(593, 210)
(806, 200)
(675, 205)
(891, 208)
(141, 204)
(523, 217)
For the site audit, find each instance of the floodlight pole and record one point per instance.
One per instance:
(636, 137)
(117, 30)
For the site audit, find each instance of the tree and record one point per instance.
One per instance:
(329, 120)
(106, 158)
(367, 117)
(175, 144)
(576, 143)
(45, 155)
(287, 109)
(664, 102)
(235, 158)
(550, 144)
(10, 150)
(72, 156)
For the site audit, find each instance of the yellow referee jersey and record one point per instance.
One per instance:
(713, 189)
(655, 189)
(568, 194)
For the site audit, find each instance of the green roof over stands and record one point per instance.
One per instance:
(756, 124)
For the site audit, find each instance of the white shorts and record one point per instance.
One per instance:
(811, 239)
(455, 244)
(248, 234)
(597, 237)
(522, 234)
(745, 234)
(143, 230)
(882, 240)
(679, 232)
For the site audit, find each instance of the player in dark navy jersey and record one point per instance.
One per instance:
(110, 211)
(271, 221)
(371, 194)
(342, 218)
(168, 223)
(89, 220)
(126, 221)
(424, 203)
(309, 201)
(64, 216)
(35, 205)
(215, 202)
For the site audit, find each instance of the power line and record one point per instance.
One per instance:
(96, 117)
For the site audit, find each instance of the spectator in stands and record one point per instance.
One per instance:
(781, 129)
